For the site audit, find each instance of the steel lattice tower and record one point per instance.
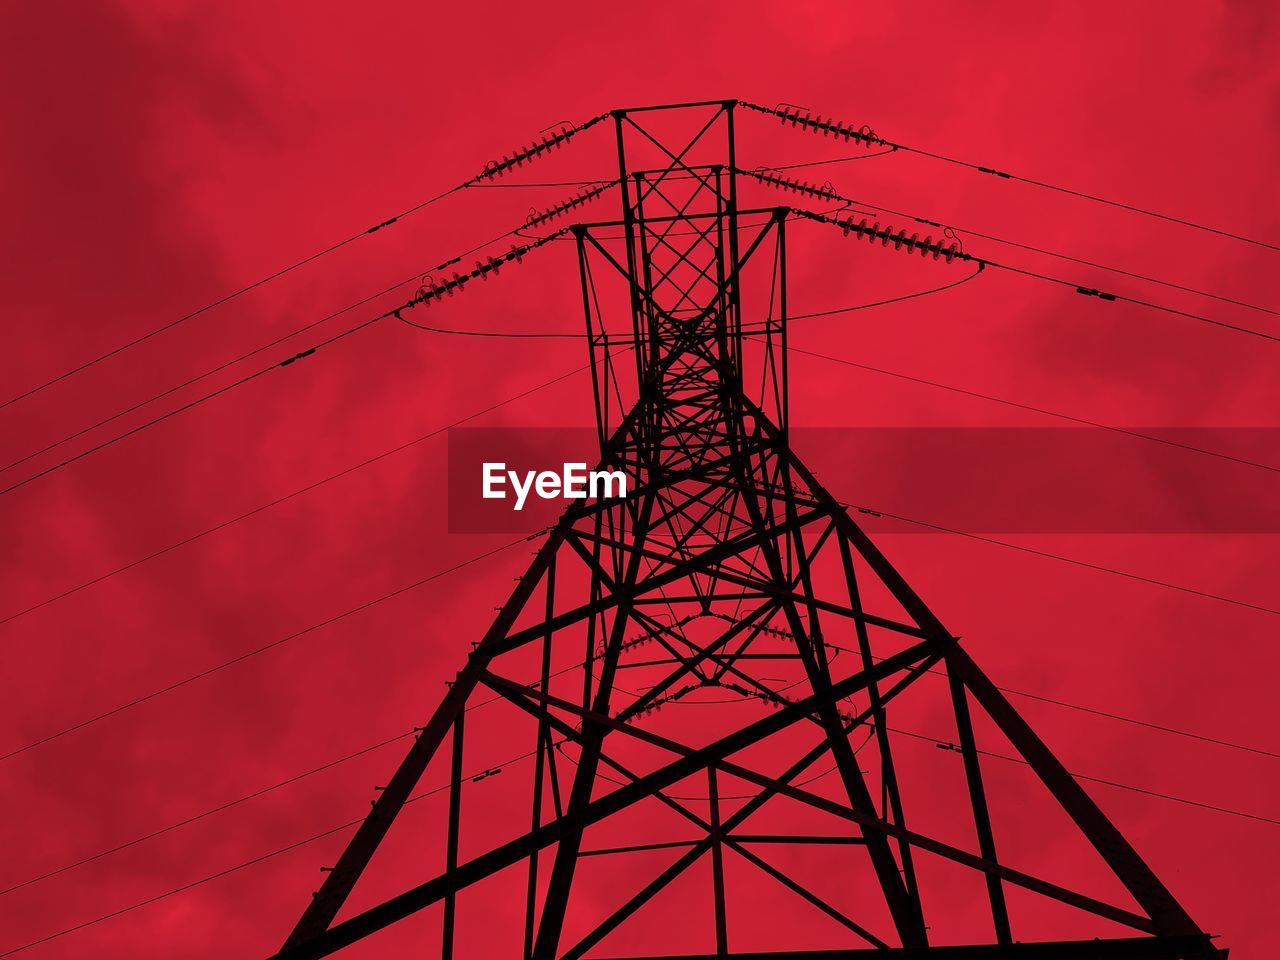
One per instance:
(730, 568)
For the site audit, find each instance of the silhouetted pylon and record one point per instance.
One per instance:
(708, 671)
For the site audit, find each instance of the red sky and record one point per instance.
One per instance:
(158, 156)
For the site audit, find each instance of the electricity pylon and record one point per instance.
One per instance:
(708, 669)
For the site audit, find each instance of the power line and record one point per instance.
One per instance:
(432, 293)
(101, 423)
(1098, 568)
(901, 239)
(1162, 728)
(249, 654)
(802, 117)
(526, 184)
(679, 176)
(1063, 558)
(191, 679)
(264, 648)
(946, 744)
(471, 778)
(1136, 301)
(631, 341)
(882, 303)
(528, 335)
(363, 751)
(75, 928)
(890, 373)
(1041, 410)
(1069, 258)
(294, 493)
(1213, 808)
(1123, 431)
(503, 334)
(1088, 196)
(399, 591)
(494, 169)
(194, 818)
(248, 378)
(1216, 741)
(252, 795)
(966, 230)
(256, 350)
(227, 298)
(834, 160)
(425, 295)
(275, 643)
